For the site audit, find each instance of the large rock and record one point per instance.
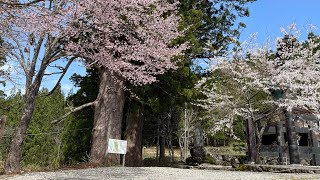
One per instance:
(235, 162)
(199, 151)
(305, 162)
(226, 158)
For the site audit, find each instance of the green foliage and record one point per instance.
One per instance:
(76, 134)
(210, 26)
(43, 142)
(238, 128)
(12, 108)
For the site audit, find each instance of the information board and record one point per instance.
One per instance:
(117, 146)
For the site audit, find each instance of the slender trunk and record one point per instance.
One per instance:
(259, 133)
(181, 149)
(14, 156)
(186, 134)
(171, 149)
(169, 130)
(162, 147)
(162, 139)
(280, 141)
(133, 135)
(258, 146)
(251, 140)
(107, 117)
(158, 141)
(186, 146)
(292, 143)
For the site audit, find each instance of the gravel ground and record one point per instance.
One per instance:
(156, 173)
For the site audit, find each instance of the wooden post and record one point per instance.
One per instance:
(123, 160)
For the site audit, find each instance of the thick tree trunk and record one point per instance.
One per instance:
(14, 156)
(133, 135)
(107, 117)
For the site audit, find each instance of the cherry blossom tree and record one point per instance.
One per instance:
(128, 41)
(32, 32)
(293, 71)
(228, 95)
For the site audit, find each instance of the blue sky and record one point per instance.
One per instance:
(267, 16)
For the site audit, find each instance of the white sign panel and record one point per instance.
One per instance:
(117, 146)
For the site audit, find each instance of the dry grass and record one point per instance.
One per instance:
(151, 152)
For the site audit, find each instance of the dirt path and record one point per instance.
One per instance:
(156, 173)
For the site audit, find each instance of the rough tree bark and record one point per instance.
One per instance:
(292, 142)
(14, 157)
(133, 135)
(107, 117)
(251, 140)
(12, 164)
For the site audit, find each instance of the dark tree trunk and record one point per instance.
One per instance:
(14, 156)
(280, 140)
(162, 153)
(158, 142)
(133, 135)
(251, 140)
(291, 137)
(107, 117)
(258, 147)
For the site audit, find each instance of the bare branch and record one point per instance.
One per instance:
(62, 75)
(266, 115)
(21, 59)
(36, 53)
(20, 4)
(49, 74)
(72, 110)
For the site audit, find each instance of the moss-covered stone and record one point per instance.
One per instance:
(200, 160)
(243, 167)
